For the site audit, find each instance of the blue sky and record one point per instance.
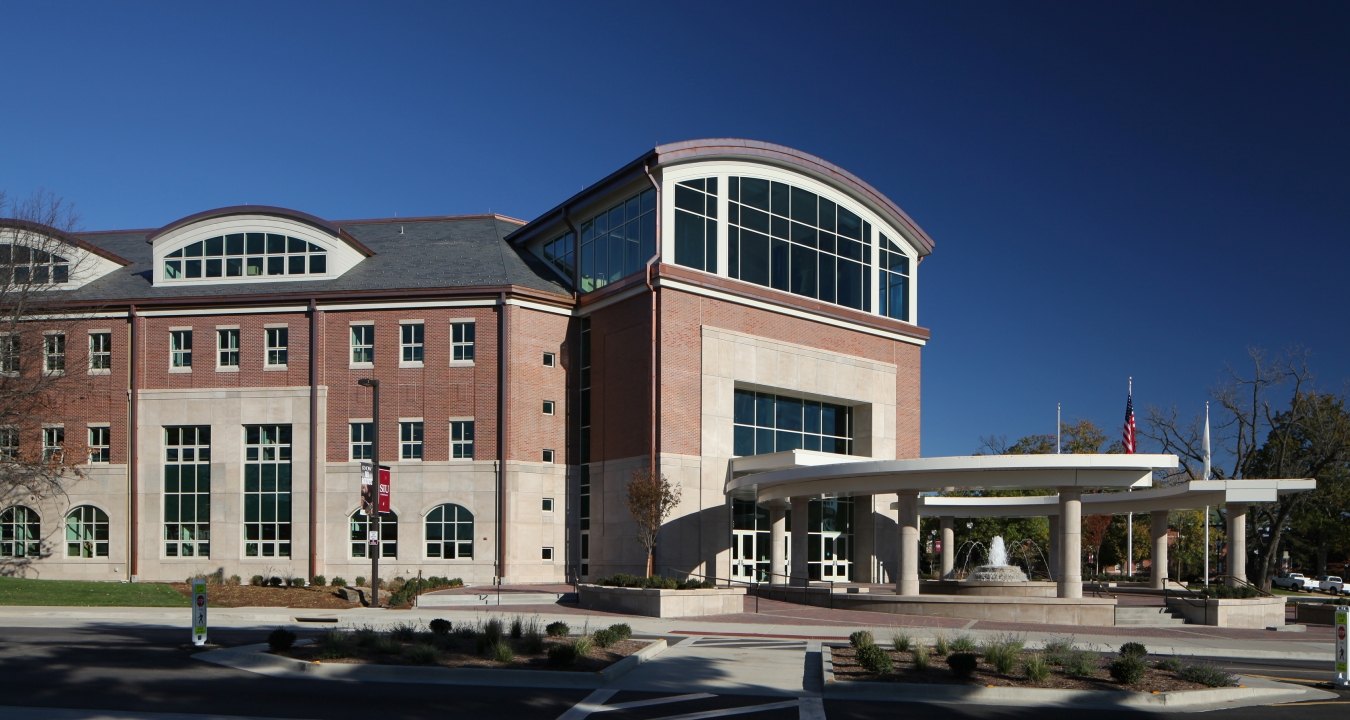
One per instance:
(1115, 189)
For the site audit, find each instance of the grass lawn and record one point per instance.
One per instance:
(15, 591)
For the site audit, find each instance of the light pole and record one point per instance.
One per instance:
(373, 499)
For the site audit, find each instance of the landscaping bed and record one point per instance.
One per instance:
(233, 596)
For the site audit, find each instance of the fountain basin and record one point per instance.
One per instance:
(990, 588)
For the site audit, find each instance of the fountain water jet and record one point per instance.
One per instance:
(998, 569)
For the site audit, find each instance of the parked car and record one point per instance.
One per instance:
(1331, 584)
(1296, 582)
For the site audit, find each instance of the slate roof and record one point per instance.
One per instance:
(431, 253)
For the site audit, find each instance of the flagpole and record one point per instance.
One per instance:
(1205, 476)
(1129, 540)
(1058, 424)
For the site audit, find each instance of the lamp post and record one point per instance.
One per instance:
(373, 498)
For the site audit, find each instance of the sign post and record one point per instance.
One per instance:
(199, 611)
(1342, 615)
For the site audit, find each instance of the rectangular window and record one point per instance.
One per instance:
(461, 439)
(227, 348)
(100, 444)
(100, 352)
(363, 344)
(361, 434)
(548, 455)
(187, 491)
(9, 443)
(766, 423)
(277, 340)
(547, 554)
(53, 439)
(548, 407)
(548, 505)
(180, 349)
(9, 354)
(411, 343)
(461, 341)
(410, 440)
(54, 353)
(267, 490)
(550, 359)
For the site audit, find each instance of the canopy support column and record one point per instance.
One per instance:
(1237, 542)
(907, 582)
(801, 524)
(948, 548)
(1071, 542)
(777, 542)
(1052, 553)
(1157, 530)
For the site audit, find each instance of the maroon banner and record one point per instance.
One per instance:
(384, 489)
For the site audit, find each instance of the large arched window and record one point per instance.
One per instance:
(449, 532)
(244, 255)
(21, 265)
(86, 532)
(360, 526)
(20, 532)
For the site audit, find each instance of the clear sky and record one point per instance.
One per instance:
(1115, 189)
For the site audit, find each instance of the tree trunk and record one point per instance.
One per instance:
(651, 556)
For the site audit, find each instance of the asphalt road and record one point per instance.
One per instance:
(100, 671)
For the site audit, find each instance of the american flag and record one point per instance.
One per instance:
(1129, 420)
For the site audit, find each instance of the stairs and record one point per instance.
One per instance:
(490, 599)
(1148, 616)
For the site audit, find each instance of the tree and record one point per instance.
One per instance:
(651, 499)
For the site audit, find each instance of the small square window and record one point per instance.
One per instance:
(550, 359)
(547, 553)
(548, 455)
(548, 407)
(278, 342)
(548, 505)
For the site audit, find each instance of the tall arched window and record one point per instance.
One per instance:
(449, 532)
(246, 255)
(86, 532)
(20, 532)
(360, 525)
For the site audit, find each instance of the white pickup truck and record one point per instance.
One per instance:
(1331, 584)
(1296, 582)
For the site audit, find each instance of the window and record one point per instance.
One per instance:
(548, 455)
(548, 407)
(411, 343)
(893, 280)
(550, 359)
(548, 505)
(765, 423)
(100, 352)
(180, 349)
(696, 224)
(9, 443)
(616, 243)
(277, 340)
(227, 348)
(361, 534)
(187, 491)
(449, 532)
(410, 440)
(20, 532)
(461, 341)
(86, 532)
(461, 439)
(561, 253)
(22, 265)
(9, 354)
(546, 554)
(100, 443)
(363, 344)
(361, 435)
(54, 353)
(245, 256)
(267, 490)
(53, 439)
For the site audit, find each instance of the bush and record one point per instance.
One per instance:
(901, 642)
(403, 632)
(1003, 656)
(439, 626)
(421, 654)
(318, 581)
(622, 630)
(860, 639)
(280, 639)
(360, 581)
(338, 581)
(492, 631)
(1207, 675)
(940, 646)
(562, 655)
(501, 652)
(920, 656)
(275, 581)
(1080, 663)
(874, 659)
(1057, 650)
(1133, 649)
(1036, 668)
(963, 664)
(336, 644)
(604, 637)
(257, 581)
(1168, 664)
(963, 644)
(235, 581)
(557, 629)
(517, 628)
(533, 642)
(1128, 669)
(297, 582)
(583, 645)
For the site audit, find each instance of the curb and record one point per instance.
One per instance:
(1263, 693)
(254, 658)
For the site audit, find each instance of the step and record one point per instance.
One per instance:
(1147, 617)
(492, 599)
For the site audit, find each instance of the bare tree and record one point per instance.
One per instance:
(651, 499)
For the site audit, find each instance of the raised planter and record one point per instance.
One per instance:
(1259, 612)
(662, 603)
(1315, 613)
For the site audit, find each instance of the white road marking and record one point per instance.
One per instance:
(595, 702)
(811, 708)
(732, 711)
(655, 701)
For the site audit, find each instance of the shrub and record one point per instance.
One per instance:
(318, 581)
(297, 582)
(963, 644)
(439, 626)
(1128, 669)
(280, 639)
(360, 581)
(963, 663)
(1003, 656)
(517, 628)
(1207, 675)
(604, 637)
(257, 580)
(336, 644)
(338, 581)
(874, 659)
(940, 646)
(920, 656)
(403, 632)
(275, 581)
(1168, 664)
(422, 654)
(860, 639)
(492, 631)
(533, 642)
(557, 629)
(583, 645)
(562, 654)
(466, 631)
(901, 642)
(1080, 663)
(1036, 668)
(234, 580)
(1057, 650)
(1133, 649)
(501, 652)
(622, 630)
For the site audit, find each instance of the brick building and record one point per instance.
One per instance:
(709, 304)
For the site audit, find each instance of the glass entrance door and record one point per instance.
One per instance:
(749, 556)
(834, 556)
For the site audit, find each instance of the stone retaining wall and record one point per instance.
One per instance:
(662, 603)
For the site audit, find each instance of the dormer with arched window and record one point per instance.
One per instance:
(41, 257)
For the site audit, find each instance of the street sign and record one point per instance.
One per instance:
(198, 611)
(1342, 618)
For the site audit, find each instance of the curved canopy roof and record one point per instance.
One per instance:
(1193, 494)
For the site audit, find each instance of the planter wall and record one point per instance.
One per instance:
(662, 603)
(1315, 613)
(1262, 612)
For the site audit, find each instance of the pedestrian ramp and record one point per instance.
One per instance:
(493, 599)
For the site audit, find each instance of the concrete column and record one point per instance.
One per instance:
(1157, 530)
(801, 521)
(1237, 542)
(1071, 541)
(948, 548)
(777, 542)
(907, 581)
(1052, 552)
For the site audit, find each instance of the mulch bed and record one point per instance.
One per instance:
(233, 596)
(846, 667)
(458, 652)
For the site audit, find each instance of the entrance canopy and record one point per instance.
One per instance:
(1188, 495)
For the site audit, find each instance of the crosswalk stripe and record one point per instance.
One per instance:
(655, 701)
(744, 710)
(595, 702)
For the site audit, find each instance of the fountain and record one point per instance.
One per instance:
(998, 570)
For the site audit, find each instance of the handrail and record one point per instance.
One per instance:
(1188, 595)
(1243, 582)
(729, 581)
(806, 585)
